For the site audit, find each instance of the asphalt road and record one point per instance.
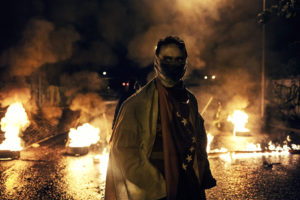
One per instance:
(47, 172)
(256, 177)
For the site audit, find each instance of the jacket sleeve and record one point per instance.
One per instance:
(133, 175)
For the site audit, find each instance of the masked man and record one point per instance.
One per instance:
(158, 144)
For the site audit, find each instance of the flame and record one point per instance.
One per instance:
(102, 159)
(295, 147)
(83, 136)
(239, 119)
(253, 147)
(256, 150)
(14, 121)
(284, 148)
(209, 140)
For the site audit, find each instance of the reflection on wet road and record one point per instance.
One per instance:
(82, 174)
(47, 173)
(256, 177)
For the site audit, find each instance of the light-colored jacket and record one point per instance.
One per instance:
(130, 174)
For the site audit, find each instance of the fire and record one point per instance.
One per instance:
(253, 147)
(209, 140)
(102, 159)
(239, 120)
(83, 136)
(14, 121)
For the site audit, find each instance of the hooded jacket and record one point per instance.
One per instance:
(130, 175)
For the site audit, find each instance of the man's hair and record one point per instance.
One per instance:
(171, 40)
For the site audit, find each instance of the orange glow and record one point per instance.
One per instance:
(256, 150)
(83, 136)
(102, 159)
(209, 140)
(253, 147)
(239, 120)
(295, 147)
(221, 150)
(14, 121)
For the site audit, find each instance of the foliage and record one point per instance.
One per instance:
(283, 8)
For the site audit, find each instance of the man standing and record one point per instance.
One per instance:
(158, 144)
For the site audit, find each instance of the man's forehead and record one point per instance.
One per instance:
(171, 50)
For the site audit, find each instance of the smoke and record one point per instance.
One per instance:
(191, 20)
(12, 93)
(98, 53)
(90, 105)
(42, 43)
(92, 110)
(222, 37)
(52, 114)
(80, 82)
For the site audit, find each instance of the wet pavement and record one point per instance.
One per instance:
(257, 177)
(46, 172)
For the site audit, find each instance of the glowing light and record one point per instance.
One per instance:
(295, 147)
(14, 121)
(81, 173)
(104, 73)
(84, 136)
(124, 84)
(221, 150)
(213, 77)
(253, 147)
(102, 159)
(226, 157)
(239, 120)
(205, 77)
(252, 150)
(209, 140)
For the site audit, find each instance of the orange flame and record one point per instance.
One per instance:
(84, 136)
(102, 159)
(239, 120)
(209, 140)
(14, 121)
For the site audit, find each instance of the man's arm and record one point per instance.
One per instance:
(142, 180)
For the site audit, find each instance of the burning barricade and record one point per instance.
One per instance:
(242, 143)
(12, 124)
